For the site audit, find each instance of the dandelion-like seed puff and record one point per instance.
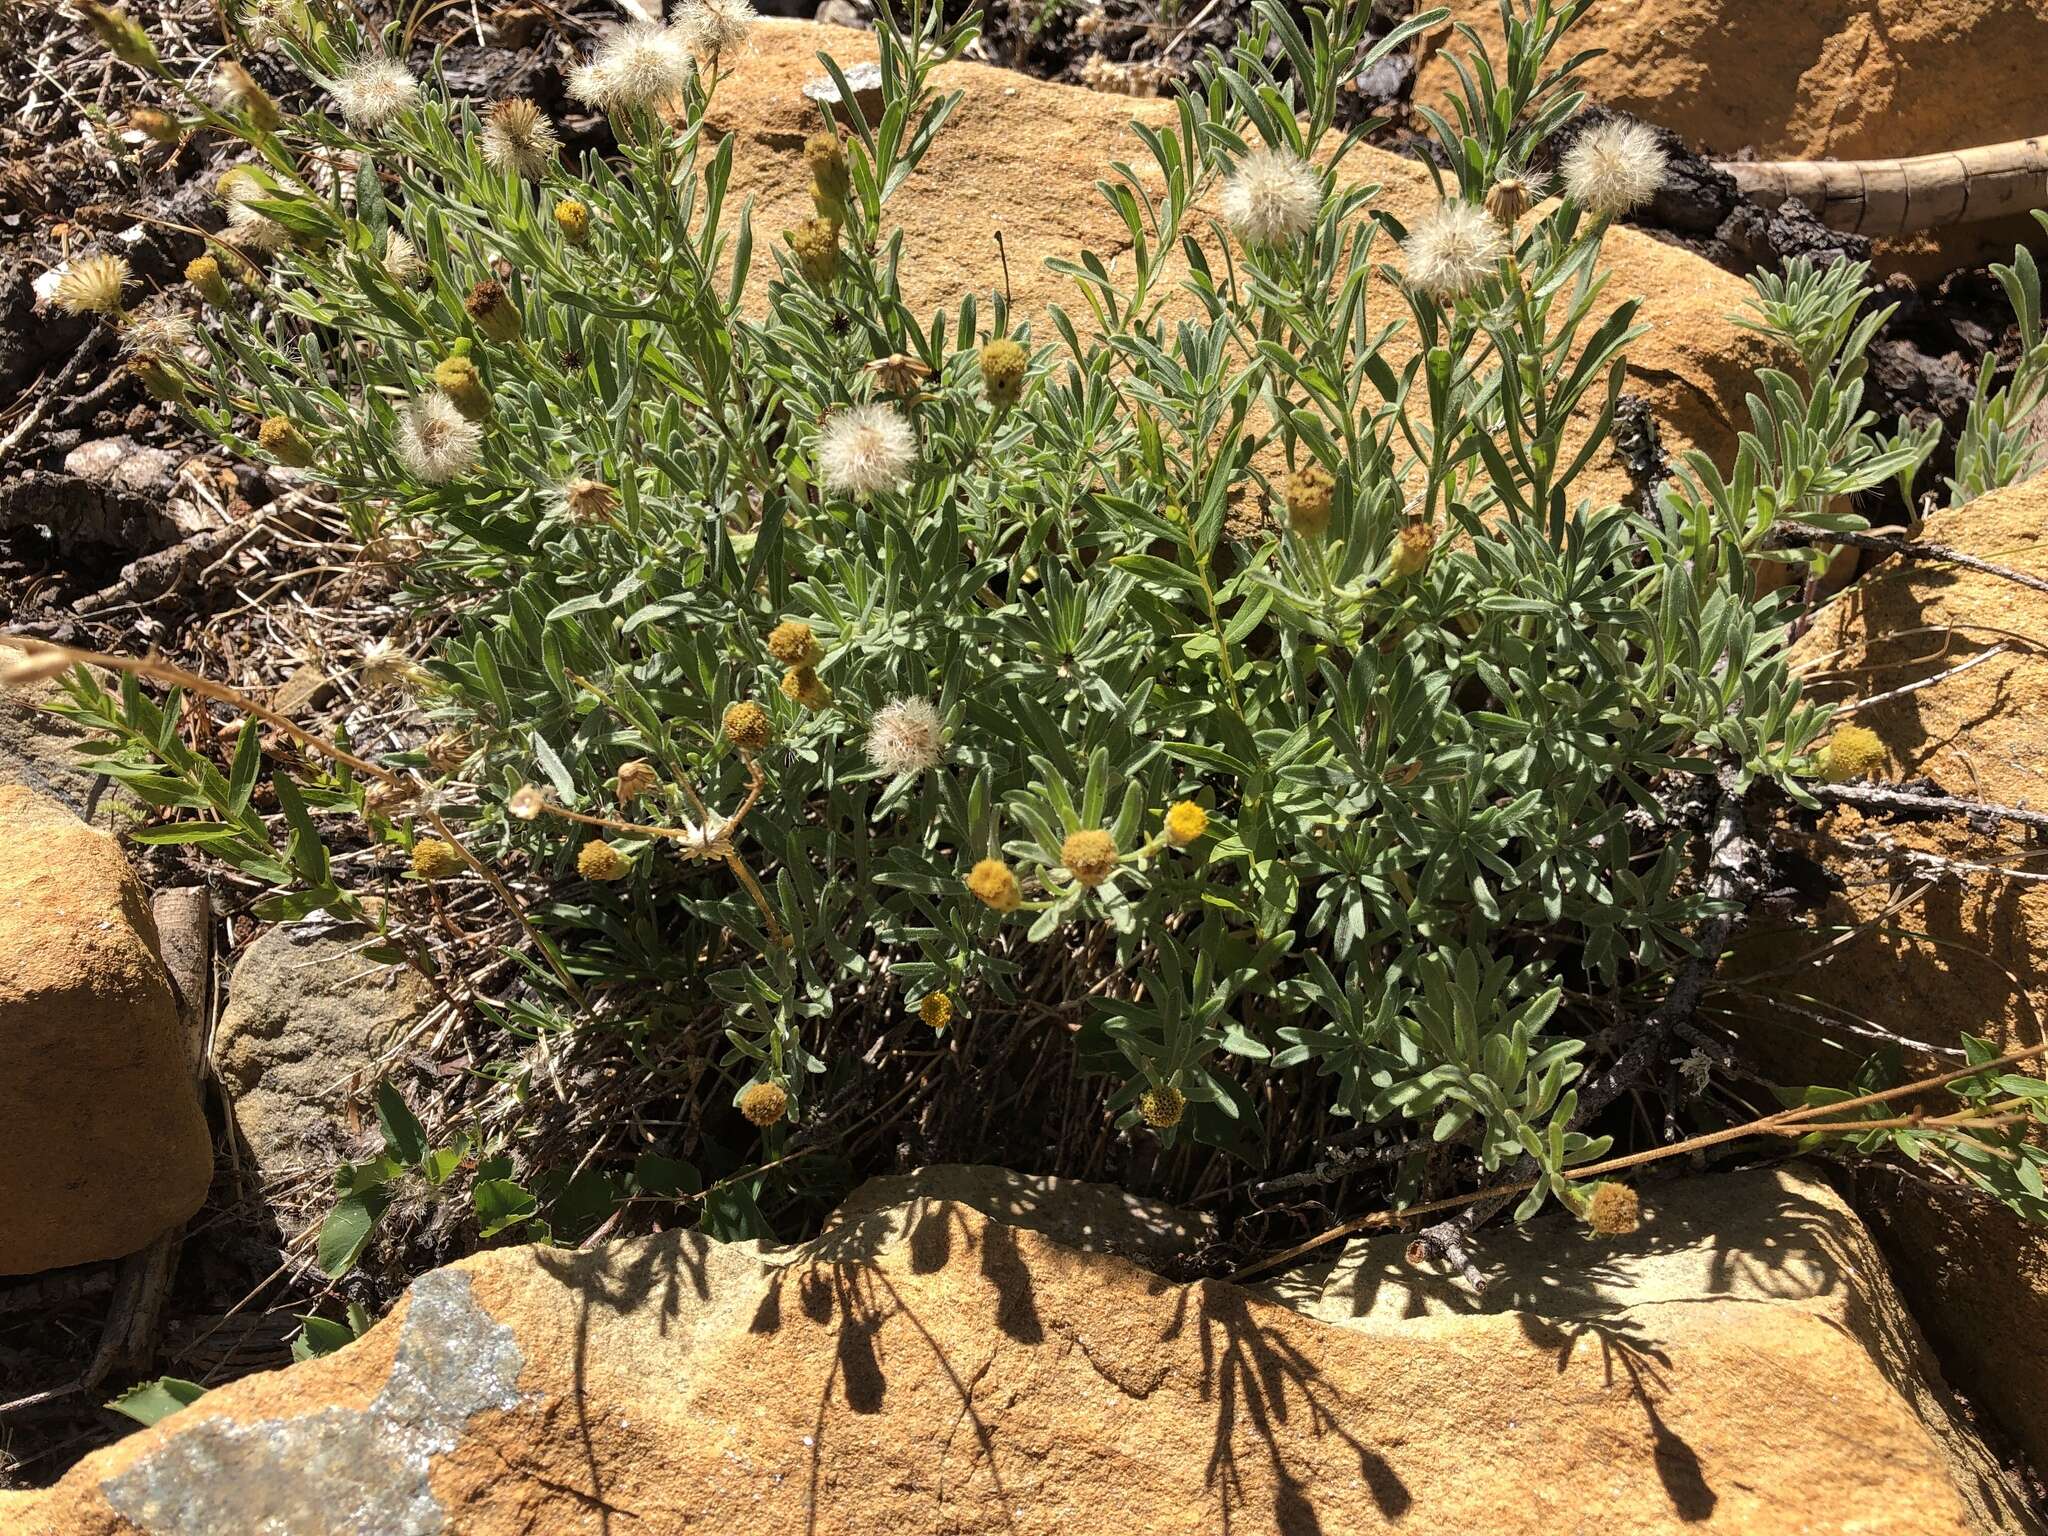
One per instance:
(436, 442)
(906, 737)
(1613, 168)
(1272, 197)
(717, 27)
(638, 66)
(865, 449)
(1453, 249)
(518, 140)
(373, 91)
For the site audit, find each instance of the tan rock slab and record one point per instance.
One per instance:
(1821, 79)
(102, 1142)
(1021, 157)
(673, 1384)
(1776, 1237)
(1921, 951)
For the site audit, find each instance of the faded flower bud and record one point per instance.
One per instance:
(994, 884)
(599, 860)
(899, 373)
(1311, 494)
(284, 442)
(590, 501)
(1089, 855)
(1162, 1107)
(491, 307)
(1509, 198)
(763, 1103)
(748, 727)
(434, 859)
(120, 34)
(236, 90)
(636, 778)
(1410, 550)
(448, 751)
(158, 127)
(527, 802)
(805, 687)
(387, 795)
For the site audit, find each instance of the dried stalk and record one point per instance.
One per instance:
(1769, 1125)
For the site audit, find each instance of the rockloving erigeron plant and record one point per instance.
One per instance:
(809, 662)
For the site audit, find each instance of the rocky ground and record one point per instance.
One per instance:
(1750, 1361)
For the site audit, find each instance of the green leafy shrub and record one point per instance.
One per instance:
(808, 662)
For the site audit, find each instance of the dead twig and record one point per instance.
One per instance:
(1801, 535)
(1908, 802)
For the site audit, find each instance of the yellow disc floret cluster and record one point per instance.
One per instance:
(1162, 1107)
(764, 1103)
(1089, 855)
(599, 860)
(1853, 752)
(994, 884)
(748, 727)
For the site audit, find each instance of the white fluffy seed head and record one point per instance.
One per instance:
(436, 442)
(1272, 197)
(164, 335)
(518, 140)
(372, 91)
(1453, 249)
(637, 66)
(864, 449)
(403, 263)
(1613, 168)
(906, 737)
(717, 27)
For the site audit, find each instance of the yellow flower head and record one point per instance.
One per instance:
(1162, 1107)
(792, 643)
(1853, 752)
(1614, 1209)
(936, 1009)
(573, 220)
(764, 1103)
(805, 687)
(748, 727)
(433, 859)
(636, 778)
(599, 860)
(491, 307)
(994, 884)
(1089, 855)
(208, 281)
(457, 378)
(830, 180)
(1003, 365)
(92, 285)
(816, 244)
(1410, 550)
(1311, 494)
(284, 443)
(1185, 823)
